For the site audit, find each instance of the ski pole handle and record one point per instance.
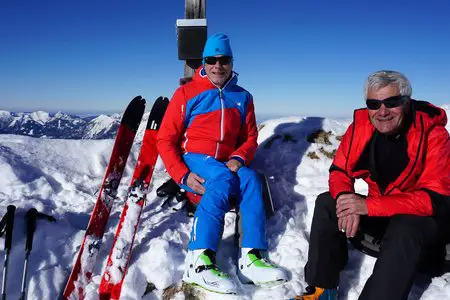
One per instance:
(30, 217)
(9, 226)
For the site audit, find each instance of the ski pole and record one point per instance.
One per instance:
(6, 226)
(30, 217)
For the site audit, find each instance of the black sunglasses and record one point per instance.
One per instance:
(223, 60)
(391, 102)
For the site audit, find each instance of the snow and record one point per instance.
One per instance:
(119, 255)
(62, 177)
(5, 118)
(92, 246)
(59, 125)
(99, 125)
(40, 117)
(5, 114)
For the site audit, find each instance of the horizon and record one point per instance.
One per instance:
(260, 117)
(296, 58)
(85, 114)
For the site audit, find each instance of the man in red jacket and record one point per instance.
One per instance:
(401, 149)
(207, 140)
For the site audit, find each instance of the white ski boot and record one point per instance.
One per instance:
(201, 270)
(256, 269)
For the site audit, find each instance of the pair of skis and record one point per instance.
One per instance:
(6, 226)
(117, 264)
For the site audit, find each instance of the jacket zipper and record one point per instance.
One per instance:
(422, 133)
(221, 123)
(351, 142)
(221, 113)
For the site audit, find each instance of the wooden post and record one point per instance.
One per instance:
(194, 9)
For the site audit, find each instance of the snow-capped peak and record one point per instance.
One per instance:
(40, 117)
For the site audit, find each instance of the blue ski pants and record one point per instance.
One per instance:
(221, 183)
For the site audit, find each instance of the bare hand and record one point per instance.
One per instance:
(349, 204)
(349, 225)
(195, 182)
(234, 165)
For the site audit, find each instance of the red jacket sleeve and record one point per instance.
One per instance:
(434, 180)
(169, 136)
(339, 181)
(248, 137)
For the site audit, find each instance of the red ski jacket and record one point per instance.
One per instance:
(423, 187)
(202, 118)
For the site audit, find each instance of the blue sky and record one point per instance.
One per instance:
(296, 57)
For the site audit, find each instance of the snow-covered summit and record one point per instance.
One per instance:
(5, 118)
(40, 117)
(101, 126)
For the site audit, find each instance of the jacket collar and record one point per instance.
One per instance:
(201, 77)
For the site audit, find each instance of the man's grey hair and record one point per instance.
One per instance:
(383, 78)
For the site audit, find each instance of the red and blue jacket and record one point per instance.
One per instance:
(422, 188)
(202, 118)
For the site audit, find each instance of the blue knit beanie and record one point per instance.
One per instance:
(218, 44)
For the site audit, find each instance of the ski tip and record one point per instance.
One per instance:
(138, 99)
(133, 114)
(138, 102)
(162, 99)
(157, 113)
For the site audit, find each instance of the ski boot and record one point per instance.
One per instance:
(201, 270)
(256, 269)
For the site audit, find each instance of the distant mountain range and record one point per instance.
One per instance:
(68, 126)
(59, 125)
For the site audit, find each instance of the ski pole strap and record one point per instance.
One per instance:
(49, 218)
(30, 217)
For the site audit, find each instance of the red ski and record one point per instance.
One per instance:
(86, 260)
(119, 257)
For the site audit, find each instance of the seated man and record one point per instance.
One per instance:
(401, 149)
(206, 140)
